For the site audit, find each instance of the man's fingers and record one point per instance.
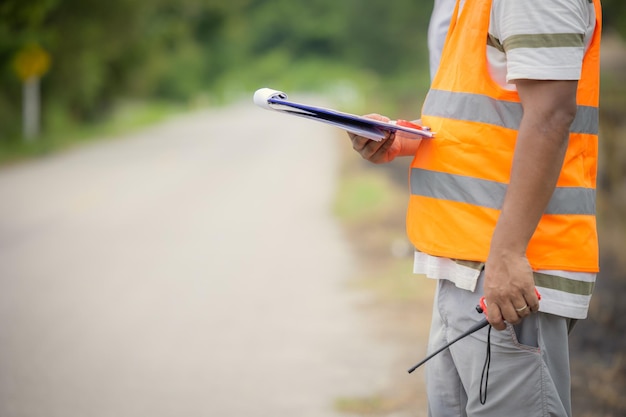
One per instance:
(512, 312)
(382, 150)
(507, 312)
(532, 300)
(371, 150)
(358, 142)
(376, 116)
(495, 317)
(521, 307)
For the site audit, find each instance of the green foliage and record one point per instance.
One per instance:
(66, 133)
(614, 16)
(104, 52)
(367, 196)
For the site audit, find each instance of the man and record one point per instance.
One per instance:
(503, 201)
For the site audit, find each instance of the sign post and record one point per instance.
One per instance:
(30, 64)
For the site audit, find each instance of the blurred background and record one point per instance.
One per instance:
(75, 72)
(107, 58)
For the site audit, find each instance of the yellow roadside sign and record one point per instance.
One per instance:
(31, 61)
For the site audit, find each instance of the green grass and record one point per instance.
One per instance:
(63, 134)
(362, 406)
(362, 197)
(396, 283)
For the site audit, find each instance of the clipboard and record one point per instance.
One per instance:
(362, 126)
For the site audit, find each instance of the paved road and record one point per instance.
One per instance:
(192, 269)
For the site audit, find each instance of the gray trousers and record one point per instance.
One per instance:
(529, 374)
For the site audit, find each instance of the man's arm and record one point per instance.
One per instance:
(549, 110)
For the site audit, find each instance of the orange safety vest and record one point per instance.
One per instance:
(459, 178)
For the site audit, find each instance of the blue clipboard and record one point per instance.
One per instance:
(362, 126)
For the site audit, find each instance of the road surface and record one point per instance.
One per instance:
(191, 269)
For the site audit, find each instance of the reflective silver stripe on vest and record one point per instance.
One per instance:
(490, 194)
(484, 109)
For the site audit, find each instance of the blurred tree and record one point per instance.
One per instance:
(93, 45)
(106, 51)
(614, 15)
(21, 23)
(301, 28)
(387, 37)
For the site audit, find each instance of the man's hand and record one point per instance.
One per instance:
(549, 109)
(509, 288)
(386, 150)
(379, 152)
